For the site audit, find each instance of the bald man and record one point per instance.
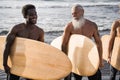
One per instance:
(82, 26)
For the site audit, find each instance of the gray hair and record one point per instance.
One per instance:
(77, 6)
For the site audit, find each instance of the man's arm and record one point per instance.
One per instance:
(99, 45)
(41, 36)
(112, 38)
(9, 41)
(65, 38)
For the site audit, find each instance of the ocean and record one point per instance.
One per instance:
(53, 15)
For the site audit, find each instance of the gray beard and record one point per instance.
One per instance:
(78, 23)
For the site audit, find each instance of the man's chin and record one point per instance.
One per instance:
(34, 22)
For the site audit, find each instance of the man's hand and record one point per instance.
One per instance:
(7, 69)
(109, 60)
(101, 64)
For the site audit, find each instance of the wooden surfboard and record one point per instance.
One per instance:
(83, 54)
(2, 45)
(115, 58)
(36, 60)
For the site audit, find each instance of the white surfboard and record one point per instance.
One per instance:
(115, 59)
(83, 54)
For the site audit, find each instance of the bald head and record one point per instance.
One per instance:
(77, 6)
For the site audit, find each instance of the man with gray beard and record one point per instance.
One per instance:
(82, 26)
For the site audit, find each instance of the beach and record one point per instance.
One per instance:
(53, 15)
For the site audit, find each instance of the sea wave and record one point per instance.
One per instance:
(4, 32)
(48, 4)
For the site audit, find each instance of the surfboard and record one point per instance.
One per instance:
(83, 54)
(115, 59)
(2, 45)
(36, 60)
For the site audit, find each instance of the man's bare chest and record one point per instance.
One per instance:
(32, 34)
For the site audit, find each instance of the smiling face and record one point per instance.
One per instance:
(31, 16)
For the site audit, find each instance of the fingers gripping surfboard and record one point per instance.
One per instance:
(36, 60)
(115, 59)
(83, 54)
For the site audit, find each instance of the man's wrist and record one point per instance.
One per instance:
(4, 64)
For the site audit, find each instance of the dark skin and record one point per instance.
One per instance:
(25, 30)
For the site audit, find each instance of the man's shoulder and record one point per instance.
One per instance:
(115, 24)
(16, 28)
(19, 25)
(69, 24)
(91, 23)
(117, 21)
(39, 29)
